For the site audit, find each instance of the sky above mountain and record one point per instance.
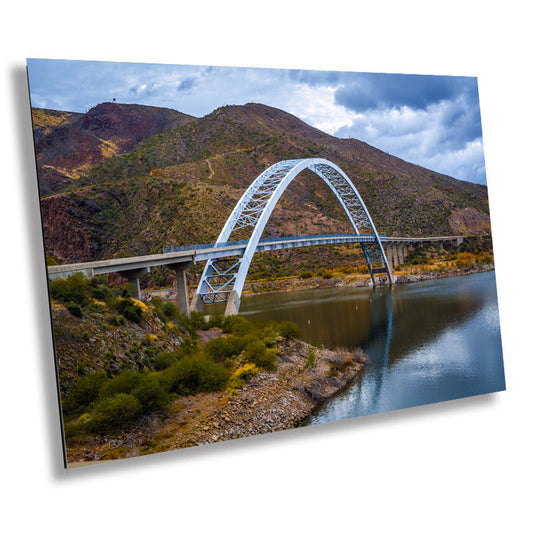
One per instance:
(433, 121)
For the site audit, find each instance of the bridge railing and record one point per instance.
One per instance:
(173, 249)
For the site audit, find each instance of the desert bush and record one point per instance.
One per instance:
(327, 274)
(125, 382)
(84, 391)
(100, 293)
(127, 308)
(151, 395)
(216, 320)
(116, 320)
(74, 309)
(464, 259)
(76, 288)
(193, 374)
(169, 310)
(114, 412)
(289, 330)
(241, 375)
(310, 362)
(197, 320)
(269, 335)
(220, 349)
(237, 325)
(258, 354)
(163, 360)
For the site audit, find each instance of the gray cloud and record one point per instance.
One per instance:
(433, 121)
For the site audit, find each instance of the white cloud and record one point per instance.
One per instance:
(430, 137)
(317, 107)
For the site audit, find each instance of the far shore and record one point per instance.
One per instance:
(356, 280)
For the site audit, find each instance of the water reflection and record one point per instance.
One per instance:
(426, 342)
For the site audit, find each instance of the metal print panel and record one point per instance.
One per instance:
(237, 251)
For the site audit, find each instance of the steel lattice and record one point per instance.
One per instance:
(221, 276)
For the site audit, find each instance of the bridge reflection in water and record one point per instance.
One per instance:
(427, 342)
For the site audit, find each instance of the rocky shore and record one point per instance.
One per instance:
(293, 284)
(304, 377)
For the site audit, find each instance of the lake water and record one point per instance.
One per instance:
(426, 342)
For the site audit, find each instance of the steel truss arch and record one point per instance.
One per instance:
(223, 279)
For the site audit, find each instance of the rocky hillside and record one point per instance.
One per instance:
(69, 144)
(131, 179)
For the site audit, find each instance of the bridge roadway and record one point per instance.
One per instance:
(180, 258)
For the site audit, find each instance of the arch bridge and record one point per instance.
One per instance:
(228, 261)
(223, 278)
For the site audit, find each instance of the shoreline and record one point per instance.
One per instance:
(299, 284)
(270, 401)
(336, 281)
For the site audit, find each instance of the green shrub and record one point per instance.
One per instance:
(127, 308)
(305, 274)
(243, 374)
(289, 330)
(73, 289)
(169, 310)
(116, 320)
(125, 382)
(74, 309)
(84, 391)
(237, 325)
(222, 348)
(270, 335)
(310, 362)
(114, 412)
(197, 320)
(151, 395)
(216, 320)
(257, 353)
(193, 374)
(100, 293)
(163, 360)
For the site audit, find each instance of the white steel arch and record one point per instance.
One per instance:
(223, 279)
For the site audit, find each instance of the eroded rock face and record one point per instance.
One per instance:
(67, 230)
(469, 221)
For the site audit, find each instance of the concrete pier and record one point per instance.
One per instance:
(234, 302)
(181, 286)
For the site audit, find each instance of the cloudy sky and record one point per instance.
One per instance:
(433, 121)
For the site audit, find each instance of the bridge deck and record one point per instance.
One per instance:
(203, 252)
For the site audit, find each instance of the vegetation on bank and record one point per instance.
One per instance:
(110, 399)
(473, 253)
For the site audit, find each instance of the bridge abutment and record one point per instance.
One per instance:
(234, 302)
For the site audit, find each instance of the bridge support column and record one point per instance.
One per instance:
(133, 276)
(400, 254)
(388, 253)
(181, 286)
(395, 256)
(459, 241)
(234, 302)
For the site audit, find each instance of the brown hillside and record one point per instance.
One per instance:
(179, 186)
(72, 143)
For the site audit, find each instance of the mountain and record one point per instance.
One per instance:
(139, 178)
(69, 144)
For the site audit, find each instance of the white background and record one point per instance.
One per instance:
(459, 466)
